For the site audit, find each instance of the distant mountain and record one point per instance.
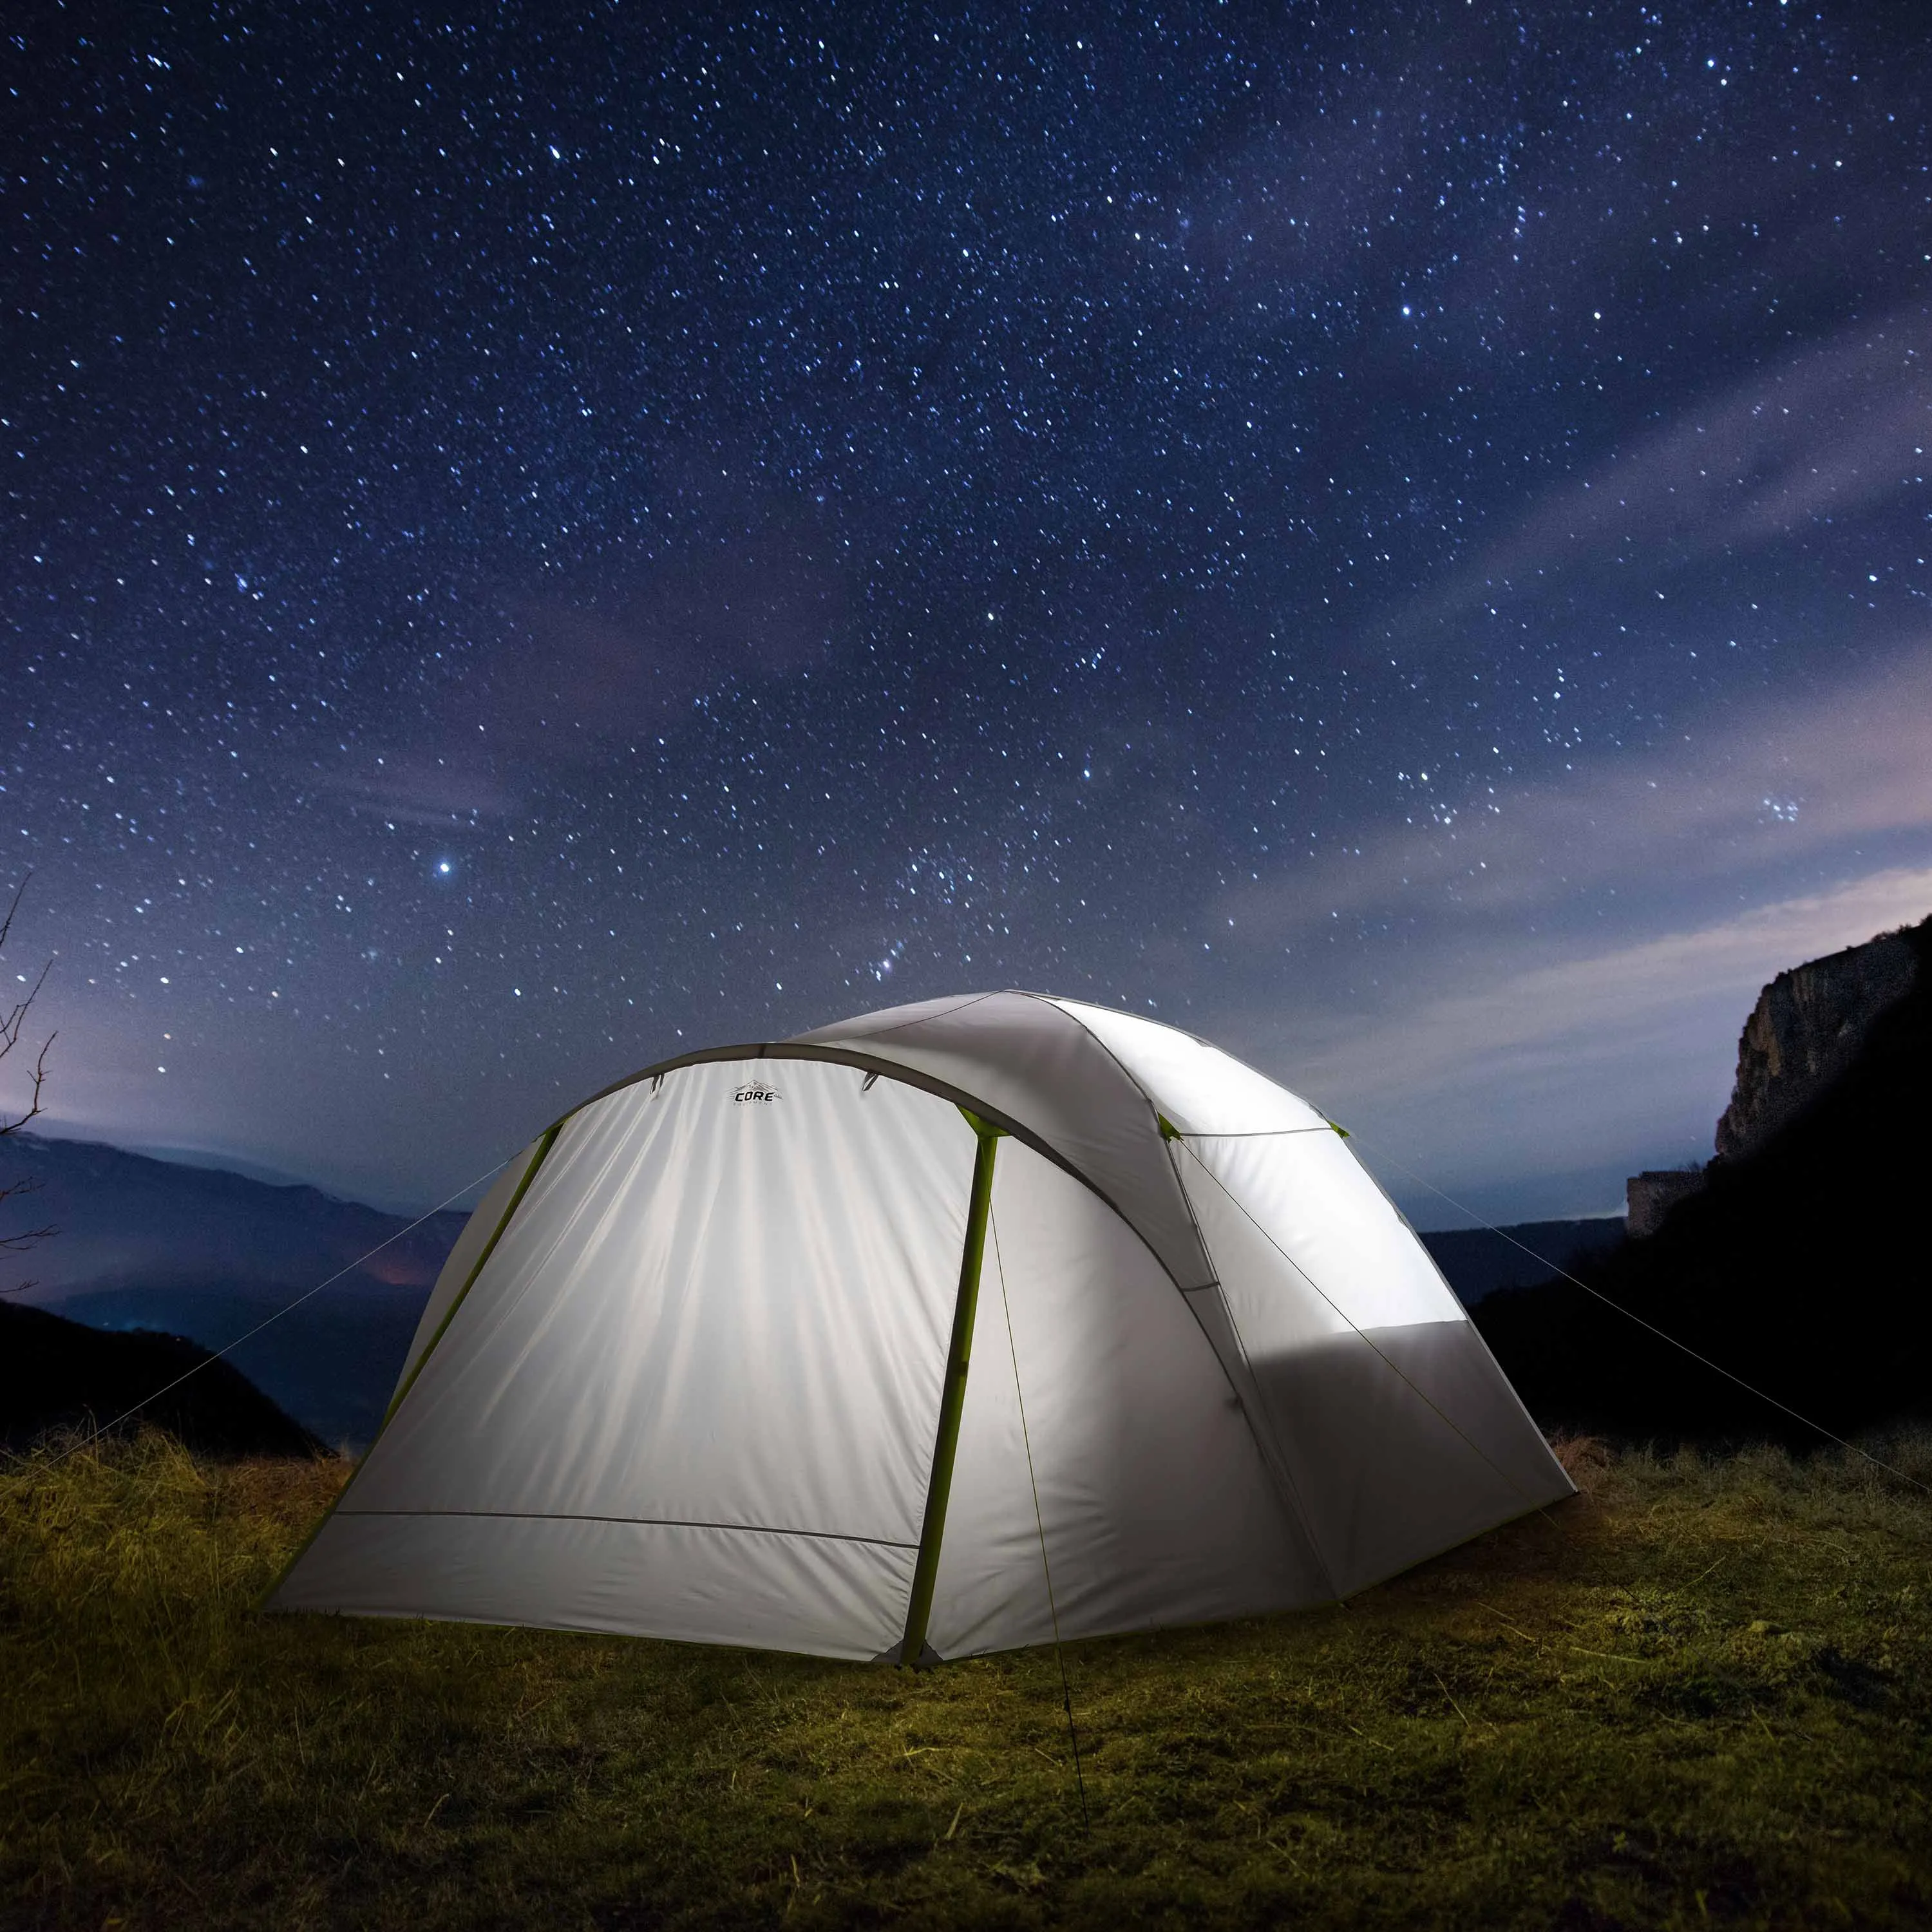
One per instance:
(1799, 1263)
(57, 1375)
(204, 1254)
(1476, 1261)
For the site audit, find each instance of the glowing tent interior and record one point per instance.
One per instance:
(909, 1336)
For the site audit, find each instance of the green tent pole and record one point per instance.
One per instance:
(543, 1146)
(952, 1395)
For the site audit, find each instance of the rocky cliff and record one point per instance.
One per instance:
(1800, 1264)
(1805, 1031)
(1649, 1196)
(1808, 1028)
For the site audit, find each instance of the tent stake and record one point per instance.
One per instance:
(952, 1395)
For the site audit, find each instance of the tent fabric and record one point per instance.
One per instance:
(1155, 1503)
(1037, 1065)
(706, 1392)
(682, 1374)
(460, 1263)
(1200, 1090)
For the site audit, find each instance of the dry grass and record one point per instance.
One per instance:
(1698, 1693)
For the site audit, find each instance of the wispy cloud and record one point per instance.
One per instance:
(1747, 799)
(1574, 1019)
(409, 787)
(1548, 980)
(1538, 1088)
(561, 684)
(1835, 429)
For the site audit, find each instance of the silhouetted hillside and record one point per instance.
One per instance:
(1477, 1261)
(1801, 1266)
(59, 1375)
(205, 1254)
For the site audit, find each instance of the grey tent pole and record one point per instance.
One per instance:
(952, 1396)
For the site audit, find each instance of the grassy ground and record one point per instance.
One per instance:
(1702, 1692)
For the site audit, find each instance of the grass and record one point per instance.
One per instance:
(1698, 1694)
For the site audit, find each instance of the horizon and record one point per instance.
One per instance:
(1413, 1195)
(210, 1160)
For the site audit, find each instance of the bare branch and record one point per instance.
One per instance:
(12, 1021)
(10, 1026)
(13, 906)
(40, 1080)
(15, 1018)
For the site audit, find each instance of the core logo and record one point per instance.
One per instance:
(754, 1092)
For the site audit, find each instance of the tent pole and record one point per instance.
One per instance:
(545, 1142)
(952, 1394)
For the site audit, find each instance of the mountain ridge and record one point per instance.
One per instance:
(205, 1253)
(57, 1375)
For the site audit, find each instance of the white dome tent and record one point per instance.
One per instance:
(895, 1340)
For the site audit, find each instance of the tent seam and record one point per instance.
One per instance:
(906, 1076)
(1246, 1067)
(1482, 1340)
(1127, 1074)
(637, 1522)
(545, 1142)
(1039, 1520)
(1357, 1328)
(1296, 1508)
(965, 1000)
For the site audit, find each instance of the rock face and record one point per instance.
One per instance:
(1805, 1031)
(1649, 1196)
(1791, 1284)
(1808, 1027)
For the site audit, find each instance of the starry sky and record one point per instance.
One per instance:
(536, 538)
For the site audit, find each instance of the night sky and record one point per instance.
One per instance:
(1394, 539)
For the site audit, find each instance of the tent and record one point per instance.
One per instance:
(941, 1330)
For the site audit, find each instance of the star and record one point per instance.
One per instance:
(771, 516)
